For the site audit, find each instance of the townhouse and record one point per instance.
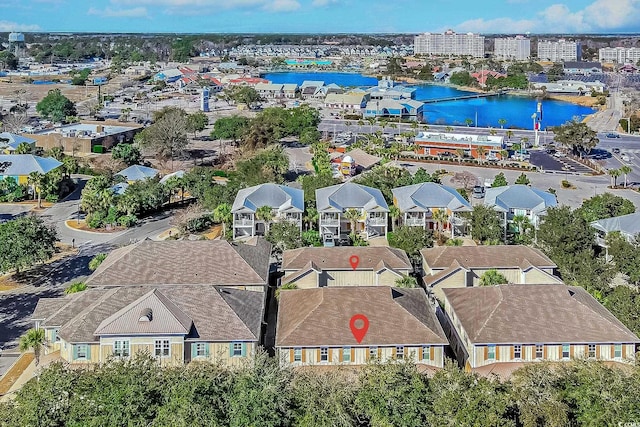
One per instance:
(19, 166)
(463, 266)
(286, 203)
(326, 267)
(314, 327)
(9, 142)
(520, 200)
(498, 329)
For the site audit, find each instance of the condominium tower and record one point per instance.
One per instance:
(559, 51)
(515, 48)
(620, 55)
(450, 43)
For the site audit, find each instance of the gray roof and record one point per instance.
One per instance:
(628, 225)
(206, 262)
(13, 140)
(280, 197)
(423, 197)
(312, 83)
(24, 164)
(529, 314)
(197, 312)
(341, 197)
(138, 173)
(519, 197)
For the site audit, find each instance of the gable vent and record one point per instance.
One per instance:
(146, 315)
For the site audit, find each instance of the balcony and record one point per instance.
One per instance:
(242, 222)
(376, 220)
(414, 222)
(333, 221)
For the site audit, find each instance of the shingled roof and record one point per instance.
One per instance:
(524, 314)
(211, 262)
(321, 316)
(337, 258)
(498, 256)
(199, 312)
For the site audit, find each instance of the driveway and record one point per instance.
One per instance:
(11, 211)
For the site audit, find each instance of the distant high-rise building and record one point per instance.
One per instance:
(620, 55)
(515, 48)
(450, 43)
(559, 51)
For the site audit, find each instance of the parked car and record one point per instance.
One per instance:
(559, 154)
(625, 157)
(478, 192)
(344, 240)
(616, 150)
(613, 135)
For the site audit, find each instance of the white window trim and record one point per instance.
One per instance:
(489, 356)
(86, 351)
(595, 347)
(514, 352)
(373, 352)
(122, 348)
(346, 354)
(568, 356)
(426, 352)
(203, 346)
(535, 352)
(233, 349)
(162, 341)
(325, 351)
(297, 351)
(399, 352)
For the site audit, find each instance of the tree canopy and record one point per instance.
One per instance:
(576, 136)
(486, 225)
(24, 242)
(55, 106)
(410, 239)
(605, 205)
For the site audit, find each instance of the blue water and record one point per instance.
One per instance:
(517, 110)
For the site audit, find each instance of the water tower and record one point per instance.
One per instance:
(16, 42)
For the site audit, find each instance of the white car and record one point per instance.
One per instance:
(625, 158)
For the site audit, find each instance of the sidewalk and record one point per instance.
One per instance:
(28, 372)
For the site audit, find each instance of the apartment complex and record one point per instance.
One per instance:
(450, 43)
(559, 51)
(515, 48)
(620, 55)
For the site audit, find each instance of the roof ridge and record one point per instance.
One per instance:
(309, 313)
(392, 288)
(219, 293)
(160, 296)
(490, 314)
(617, 323)
(83, 314)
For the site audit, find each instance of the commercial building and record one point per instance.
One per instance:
(449, 43)
(559, 51)
(514, 48)
(619, 55)
(448, 144)
(86, 136)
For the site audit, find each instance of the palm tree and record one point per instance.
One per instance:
(625, 170)
(406, 282)
(509, 134)
(448, 129)
(615, 173)
(394, 213)
(440, 217)
(352, 215)
(33, 339)
(222, 213)
(492, 277)
(311, 217)
(481, 152)
(23, 148)
(36, 179)
(502, 122)
(492, 132)
(522, 226)
(468, 121)
(372, 121)
(460, 154)
(265, 213)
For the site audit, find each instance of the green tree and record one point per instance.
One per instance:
(576, 136)
(324, 398)
(410, 239)
(36, 179)
(603, 206)
(625, 170)
(492, 277)
(625, 255)
(268, 165)
(284, 235)
(502, 122)
(167, 136)
(96, 261)
(75, 287)
(8, 60)
(128, 153)
(55, 106)
(24, 242)
(523, 179)
(24, 148)
(406, 282)
(462, 78)
(233, 128)
(33, 339)
(486, 225)
(222, 213)
(615, 174)
(499, 181)
(265, 214)
(196, 122)
(353, 216)
(624, 303)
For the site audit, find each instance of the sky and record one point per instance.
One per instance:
(321, 16)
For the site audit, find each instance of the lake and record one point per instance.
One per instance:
(516, 110)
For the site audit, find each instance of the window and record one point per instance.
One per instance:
(56, 337)
(161, 348)
(236, 349)
(617, 351)
(121, 348)
(346, 354)
(539, 351)
(592, 350)
(400, 352)
(566, 351)
(201, 349)
(297, 354)
(491, 352)
(324, 354)
(81, 351)
(426, 352)
(373, 352)
(517, 352)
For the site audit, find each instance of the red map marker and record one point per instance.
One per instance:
(360, 330)
(354, 261)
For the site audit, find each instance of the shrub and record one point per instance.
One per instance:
(199, 224)
(127, 220)
(51, 198)
(287, 286)
(566, 184)
(75, 287)
(311, 238)
(95, 220)
(96, 261)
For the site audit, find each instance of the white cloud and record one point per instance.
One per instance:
(209, 4)
(136, 12)
(498, 25)
(8, 26)
(282, 5)
(321, 3)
